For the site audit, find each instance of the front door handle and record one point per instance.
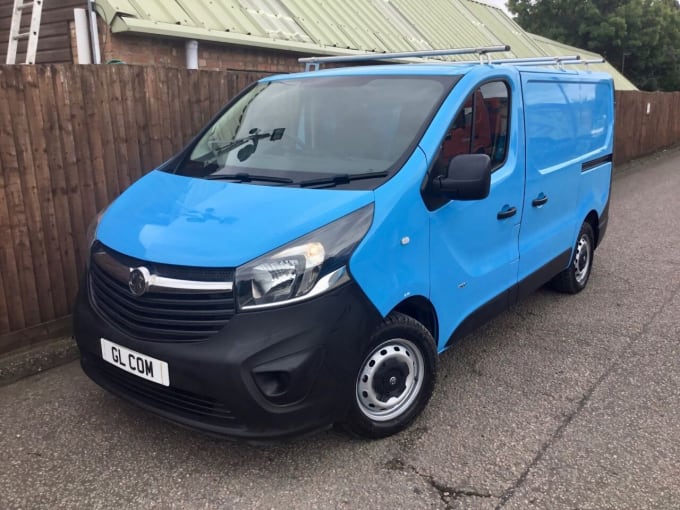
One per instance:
(506, 212)
(539, 200)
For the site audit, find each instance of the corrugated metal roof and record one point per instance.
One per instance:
(394, 18)
(345, 24)
(220, 15)
(331, 27)
(503, 27)
(447, 24)
(277, 21)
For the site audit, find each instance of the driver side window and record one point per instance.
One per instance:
(480, 127)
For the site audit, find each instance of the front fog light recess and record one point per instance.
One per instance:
(294, 271)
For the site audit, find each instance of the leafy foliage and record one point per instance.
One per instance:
(641, 38)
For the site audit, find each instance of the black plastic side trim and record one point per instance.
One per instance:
(509, 297)
(482, 315)
(595, 162)
(544, 274)
(604, 217)
(602, 226)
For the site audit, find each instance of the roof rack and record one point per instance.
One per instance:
(313, 63)
(542, 61)
(584, 62)
(535, 60)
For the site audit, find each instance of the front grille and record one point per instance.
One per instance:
(160, 316)
(204, 274)
(167, 398)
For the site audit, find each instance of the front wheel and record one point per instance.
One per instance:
(574, 279)
(395, 379)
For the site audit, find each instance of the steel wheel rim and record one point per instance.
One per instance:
(396, 358)
(582, 259)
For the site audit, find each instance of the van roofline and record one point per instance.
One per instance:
(437, 69)
(412, 63)
(313, 63)
(381, 70)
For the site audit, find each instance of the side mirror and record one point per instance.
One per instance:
(468, 178)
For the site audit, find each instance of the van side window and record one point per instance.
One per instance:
(480, 127)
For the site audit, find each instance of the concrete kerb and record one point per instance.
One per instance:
(26, 362)
(58, 351)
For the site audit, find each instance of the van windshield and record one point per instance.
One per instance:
(319, 132)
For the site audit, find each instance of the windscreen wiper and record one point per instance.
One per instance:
(225, 146)
(220, 146)
(334, 180)
(246, 177)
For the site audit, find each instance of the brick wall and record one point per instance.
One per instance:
(153, 50)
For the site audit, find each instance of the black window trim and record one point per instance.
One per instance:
(433, 202)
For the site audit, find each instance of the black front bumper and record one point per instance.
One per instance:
(271, 373)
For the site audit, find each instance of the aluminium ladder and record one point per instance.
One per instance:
(15, 34)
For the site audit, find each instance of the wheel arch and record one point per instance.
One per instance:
(593, 219)
(421, 309)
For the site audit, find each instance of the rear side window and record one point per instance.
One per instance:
(480, 127)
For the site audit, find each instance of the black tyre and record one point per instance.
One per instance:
(395, 379)
(575, 278)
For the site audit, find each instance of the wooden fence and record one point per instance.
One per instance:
(645, 123)
(73, 137)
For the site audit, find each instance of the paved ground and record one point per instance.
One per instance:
(563, 402)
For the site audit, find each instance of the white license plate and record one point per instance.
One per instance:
(141, 365)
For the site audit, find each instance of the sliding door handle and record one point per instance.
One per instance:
(506, 212)
(539, 200)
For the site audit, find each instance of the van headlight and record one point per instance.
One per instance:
(305, 267)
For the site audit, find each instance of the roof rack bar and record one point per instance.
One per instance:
(540, 60)
(561, 63)
(585, 62)
(314, 61)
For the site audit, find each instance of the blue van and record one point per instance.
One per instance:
(304, 260)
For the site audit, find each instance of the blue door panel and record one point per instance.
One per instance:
(548, 230)
(568, 122)
(594, 190)
(474, 256)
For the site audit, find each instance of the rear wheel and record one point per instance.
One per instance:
(574, 279)
(395, 379)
